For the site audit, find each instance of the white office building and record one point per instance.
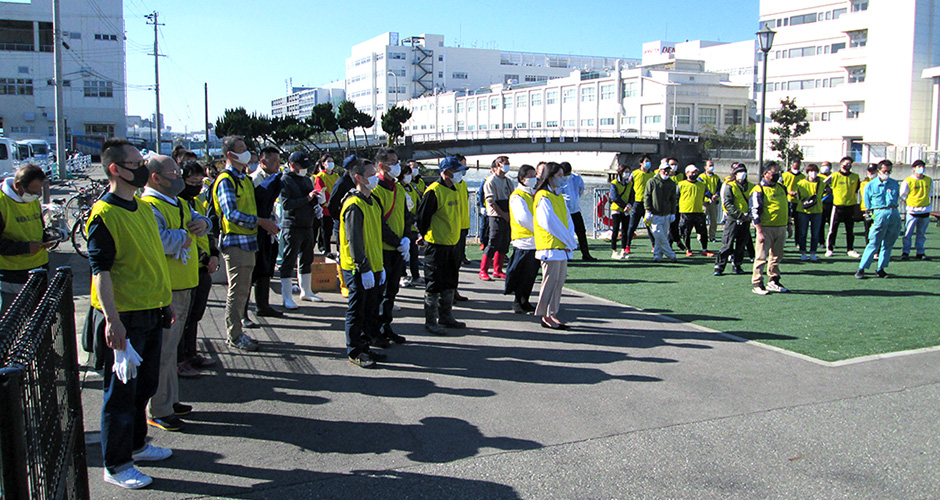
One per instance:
(387, 69)
(93, 69)
(301, 100)
(645, 102)
(857, 66)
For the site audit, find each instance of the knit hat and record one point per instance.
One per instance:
(739, 168)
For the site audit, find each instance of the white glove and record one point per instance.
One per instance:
(381, 278)
(404, 247)
(321, 198)
(318, 212)
(672, 218)
(184, 256)
(126, 363)
(368, 280)
(410, 203)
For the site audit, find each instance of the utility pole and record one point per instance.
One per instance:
(206, 88)
(154, 20)
(60, 156)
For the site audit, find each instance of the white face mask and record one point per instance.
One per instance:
(564, 179)
(372, 182)
(29, 197)
(329, 166)
(244, 157)
(825, 170)
(741, 176)
(531, 182)
(710, 168)
(664, 175)
(883, 176)
(406, 179)
(811, 176)
(458, 176)
(506, 168)
(395, 170)
(919, 170)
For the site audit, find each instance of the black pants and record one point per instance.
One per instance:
(413, 257)
(462, 246)
(581, 231)
(846, 215)
(498, 236)
(441, 267)
(362, 313)
(697, 221)
(187, 347)
(394, 268)
(639, 211)
(734, 241)
(297, 241)
(621, 224)
(265, 260)
(521, 274)
(325, 234)
(674, 232)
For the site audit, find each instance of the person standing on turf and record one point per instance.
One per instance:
(769, 213)
(713, 204)
(845, 185)
(572, 190)
(809, 212)
(790, 179)
(736, 235)
(692, 196)
(881, 198)
(916, 191)
(639, 178)
(621, 203)
(661, 202)
(523, 266)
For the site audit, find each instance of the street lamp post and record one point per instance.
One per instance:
(765, 38)
(396, 85)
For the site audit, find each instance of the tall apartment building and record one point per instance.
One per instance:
(93, 69)
(300, 102)
(857, 66)
(387, 69)
(676, 95)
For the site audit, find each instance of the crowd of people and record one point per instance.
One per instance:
(167, 224)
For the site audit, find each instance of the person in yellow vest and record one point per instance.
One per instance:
(692, 196)
(464, 213)
(712, 204)
(178, 225)
(845, 185)
(130, 298)
(414, 187)
(621, 204)
(21, 228)
(769, 207)
(233, 198)
(323, 182)
(555, 243)
(439, 225)
(789, 179)
(190, 361)
(916, 191)
(360, 260)
(396, 246)
(523, 266)
(735, 193)
(809, 211)
(640, 177)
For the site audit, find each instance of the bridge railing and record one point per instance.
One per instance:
(560, 135)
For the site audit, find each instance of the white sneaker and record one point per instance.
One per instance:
(776, 287)
(804, 257)
(129, 478)
(829, 253)
(615, 255)
(759, 290)
(151, 453)
(853, 254)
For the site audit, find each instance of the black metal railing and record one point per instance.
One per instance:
(42, 444)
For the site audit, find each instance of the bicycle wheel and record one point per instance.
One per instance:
(80, 237)
(73, 209)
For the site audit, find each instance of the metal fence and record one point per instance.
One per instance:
(42, 445)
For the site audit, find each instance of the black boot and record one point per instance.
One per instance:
(431, 305)
(447, 310)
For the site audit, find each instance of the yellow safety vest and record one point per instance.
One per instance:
(861, 193)
(544, 240)
(464, 204)
(790, 180)
(622, 191)
(202, 242)
(518, 231)
(371, 233)
(140, 275)
(691, 197)
(393, 205)
(182, 276)
(774, 212)
(919, 195)
(23, 222)
(244, 203)
(844, 189)
(328, 180)
(806, 189)
(712, 183)
(445, 223)
(640, 178)
(740, 198)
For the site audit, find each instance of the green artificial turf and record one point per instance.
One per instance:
(829, 315)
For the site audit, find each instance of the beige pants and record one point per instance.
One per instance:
(238, 267)
(168, 388)
(713, 212)
(554, 274)
(769, 252)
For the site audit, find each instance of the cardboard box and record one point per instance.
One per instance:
(323, 277)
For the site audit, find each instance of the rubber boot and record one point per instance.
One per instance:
(286, 289)
(305, 292)
(484, 268)
(431, 301)
(447, 310)
(498, 258)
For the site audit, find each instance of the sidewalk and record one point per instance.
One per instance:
(626, 404)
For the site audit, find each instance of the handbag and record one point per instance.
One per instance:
(810, 202)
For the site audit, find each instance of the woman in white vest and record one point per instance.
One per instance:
(554, 243)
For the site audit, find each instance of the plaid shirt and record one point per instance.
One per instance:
(226, 196)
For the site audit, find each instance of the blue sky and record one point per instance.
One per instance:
(245, 50)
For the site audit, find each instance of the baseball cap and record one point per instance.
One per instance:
(451, 162)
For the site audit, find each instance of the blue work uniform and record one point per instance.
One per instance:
(881, 197)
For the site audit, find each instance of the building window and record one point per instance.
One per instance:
(461, 126)
(440, 74)
(110, 38)
(494, 103)
(836, 47)
(588, 122)
(683, 115)
(511, 78)
(471, 128)
(440, 58)
(507, 102)
(459, 76)
(802, 52)
(588, 94)
(522, 100)
(734, 116)
(536, 98)
(481, 104)
(568, 123)
(854, 110)
(551, 97)
(471, 106)
(857, 74)
(536, 78)
(535, 125)
(105, 129)
(607, 92)
(629, 89)
(804, 19)
(521, 125)
(507, 126)
(859, 5)
(858, 38)
(607, 121)
(551, 124)
(395, 55)
(836, 14)
(567, 96)
(16, 86)
(461, 106)
(707, 116)
(801, 84)
(396, 72)
(650, 119)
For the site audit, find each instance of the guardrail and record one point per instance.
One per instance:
(560, 134)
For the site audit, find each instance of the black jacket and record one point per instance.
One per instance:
(299, 210)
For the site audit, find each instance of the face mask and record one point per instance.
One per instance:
(647, 166)
(847, 168)
(564, 179)
(372, 182)
(811, 176)
(692, 177)
(141, 175)
(664, 175)
(795, 170)
(176, 187)
(244, 157)
(741, 176)
(190, 191)
(458, 176)
(406, 179)
(825, 170)
(710, 168)
(557, 181)
(29, 197)
(329, 166)
(774, 178)
(531, 182)
(624, 177)
(883, 176)
(395, 170)
(252, 167)
(919, 170)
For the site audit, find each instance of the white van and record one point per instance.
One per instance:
(38, 149)
(7, 154)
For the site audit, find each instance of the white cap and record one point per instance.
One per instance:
(691, 168)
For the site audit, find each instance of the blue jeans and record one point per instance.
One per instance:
(918, 226)
(885, 229)
(814, 223)
(362, 313)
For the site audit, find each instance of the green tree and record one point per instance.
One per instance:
(256, 129)
(322, 115)
(365, 121)
(392, 122)
(791, 124)
(348, 118)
